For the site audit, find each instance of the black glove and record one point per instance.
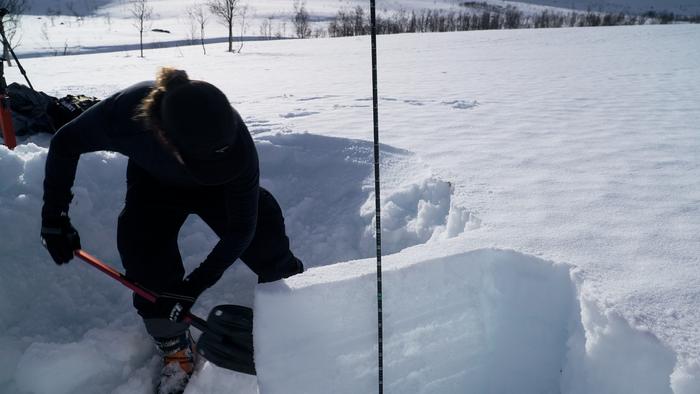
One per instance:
(291, 267)
(59, 237)
(175, 304)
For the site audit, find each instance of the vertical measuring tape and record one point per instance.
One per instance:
(377, 200)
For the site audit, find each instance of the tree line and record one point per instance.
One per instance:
(355, 21)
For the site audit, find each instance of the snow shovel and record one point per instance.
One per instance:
(227, 334)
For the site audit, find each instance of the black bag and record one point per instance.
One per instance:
(65, 109)
(29, 110)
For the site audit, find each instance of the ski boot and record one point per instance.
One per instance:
(178, 363)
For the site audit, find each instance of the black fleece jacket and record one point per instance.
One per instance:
(109, 125)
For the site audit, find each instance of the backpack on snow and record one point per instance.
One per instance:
(37, 112)
(65, 109)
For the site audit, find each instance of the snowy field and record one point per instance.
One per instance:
(91, 26)
(541, 204)
(105, 25)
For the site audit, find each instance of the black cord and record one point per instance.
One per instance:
(6, 44)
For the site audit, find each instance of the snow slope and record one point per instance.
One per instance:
(505, 151)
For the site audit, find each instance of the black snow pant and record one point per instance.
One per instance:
(147, 240)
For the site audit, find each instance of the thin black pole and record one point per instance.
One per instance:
(7, 45)
(377, 200)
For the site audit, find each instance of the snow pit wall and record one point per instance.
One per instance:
(486, 321)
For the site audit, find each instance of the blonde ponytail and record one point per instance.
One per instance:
(149, 112)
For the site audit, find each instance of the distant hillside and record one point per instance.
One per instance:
(81, 7)
(683, 7)
(686, 7)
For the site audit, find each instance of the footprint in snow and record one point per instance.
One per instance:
(414, 102)
(257, 126)
(461, 104)
(381, 98)
(299, 114)
(312, 98)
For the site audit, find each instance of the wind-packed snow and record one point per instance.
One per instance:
(540, 197)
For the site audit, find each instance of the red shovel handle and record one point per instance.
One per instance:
(135, 287)
(8, 129)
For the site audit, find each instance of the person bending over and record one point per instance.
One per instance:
(189, 153)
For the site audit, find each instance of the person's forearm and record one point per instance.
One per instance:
(231, 245)
(226, 252)
(87, 133)
(60, 174)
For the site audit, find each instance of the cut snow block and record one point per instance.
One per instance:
(486, 321)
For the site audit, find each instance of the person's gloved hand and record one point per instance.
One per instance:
(292, 267)
(176, 303)
(59, 237)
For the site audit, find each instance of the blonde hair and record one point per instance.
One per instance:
(149, 112)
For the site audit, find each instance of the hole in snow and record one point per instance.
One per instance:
(325, 187)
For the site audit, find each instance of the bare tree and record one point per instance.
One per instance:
(200, 17)
(108, 19)
(226, 11)
(46, 37)
(143, 13)
(73, 10)
(301, 19)
(281, 30)
(10, 24)
(266, 28)
(359, 21)
(242, 12)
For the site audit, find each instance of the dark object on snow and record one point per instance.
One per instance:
(65, 109)
(228, 342)
(36, 112)
(228, 331)
(29, 107)
(160, 31)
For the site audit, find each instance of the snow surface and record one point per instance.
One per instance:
(540, 193)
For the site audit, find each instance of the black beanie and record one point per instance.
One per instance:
(200, 122)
